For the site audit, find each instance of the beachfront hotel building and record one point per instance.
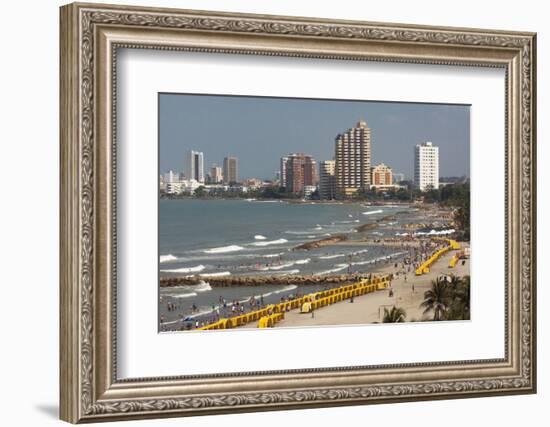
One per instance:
(194, 166)
(353, 160)
(426, 166)
(230, 170)
(381, 175)
(327, 180)
(300, 172)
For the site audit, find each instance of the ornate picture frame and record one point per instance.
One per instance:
(90, 37)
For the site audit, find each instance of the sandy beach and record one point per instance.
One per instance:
(369, 308)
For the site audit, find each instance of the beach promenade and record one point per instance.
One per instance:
(369, 308)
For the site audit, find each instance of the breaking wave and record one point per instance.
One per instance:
(217, 274)
(372, 212)
(270, 242)
(224, 249)
(339, 267)
(167, 258)
(195, 269)
(332, 256)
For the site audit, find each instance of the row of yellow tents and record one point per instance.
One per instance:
(425, 267)
(328, 296)
(269, 321)
(344, 293)
(453, 261)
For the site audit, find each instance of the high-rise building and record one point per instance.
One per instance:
(194, 166)
(353, 160)
(381, 175)
(230, 170)
(327, 179)
(426, 166)
(300, 171)
(282, 171)
(216, 174)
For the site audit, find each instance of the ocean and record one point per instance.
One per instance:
(256, 237)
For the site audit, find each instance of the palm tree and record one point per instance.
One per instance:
(395, 315)
(460, 304)
(436, 299)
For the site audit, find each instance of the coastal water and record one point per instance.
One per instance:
(249, 237)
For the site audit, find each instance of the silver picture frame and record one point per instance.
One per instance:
(90, 37)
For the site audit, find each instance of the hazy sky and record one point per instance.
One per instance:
(260, 130)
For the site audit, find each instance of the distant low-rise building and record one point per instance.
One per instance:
(253, 183)
(173, 187)
(190, 185)
(398, 177)
(381, 175)
(309, 190)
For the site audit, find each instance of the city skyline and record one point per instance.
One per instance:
(227, 126)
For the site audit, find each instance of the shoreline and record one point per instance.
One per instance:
(309, 201)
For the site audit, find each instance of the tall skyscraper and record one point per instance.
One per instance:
(230, 170)
(194, 165)
(382, 175)
(327, 179)
(426, 166)
(300, 171)
(353, 160)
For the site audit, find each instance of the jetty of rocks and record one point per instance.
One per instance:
(262, 280)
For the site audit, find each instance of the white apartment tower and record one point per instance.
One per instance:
(353, 160)
(282, 171)
(327, 179)
(194, 166)
(426, 166)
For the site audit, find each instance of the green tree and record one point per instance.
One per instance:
(395, 315)
(436, 299)
(459, 307)
(462, 218)
(200, 191)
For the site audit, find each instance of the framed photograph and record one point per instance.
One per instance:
(267, 212)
